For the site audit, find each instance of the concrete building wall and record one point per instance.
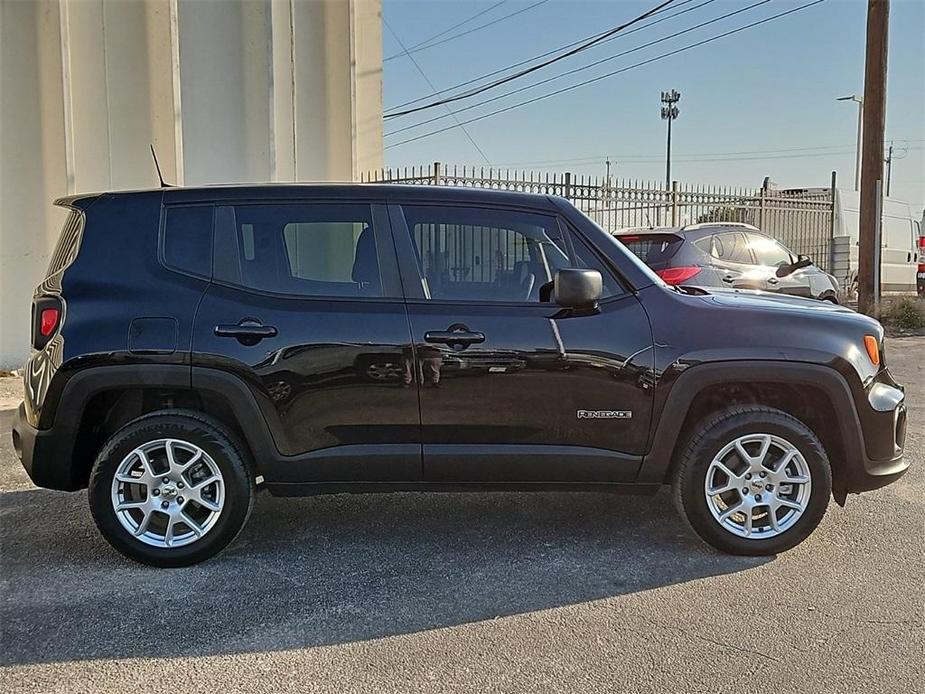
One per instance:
(227, 91)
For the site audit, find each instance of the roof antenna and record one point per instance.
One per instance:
(158, 167)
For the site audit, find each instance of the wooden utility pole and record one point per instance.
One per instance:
(878, 19)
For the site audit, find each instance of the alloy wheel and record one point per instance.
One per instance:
(758, 486)
(168, 493)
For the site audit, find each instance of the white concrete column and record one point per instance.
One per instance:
(227, 91)
(225, 61)
(32, 161)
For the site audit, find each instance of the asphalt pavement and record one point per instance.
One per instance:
(502, 592)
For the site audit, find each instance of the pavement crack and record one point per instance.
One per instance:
(716, 642)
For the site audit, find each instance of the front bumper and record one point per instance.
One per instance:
(45, 453)
(883, 423)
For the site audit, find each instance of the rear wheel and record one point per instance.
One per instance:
(171, 489)
(754, 480)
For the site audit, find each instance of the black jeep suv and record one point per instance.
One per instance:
(340, 338)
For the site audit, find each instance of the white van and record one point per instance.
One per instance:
(899, 249)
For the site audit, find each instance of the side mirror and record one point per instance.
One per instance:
(801, 262)
(577, 288)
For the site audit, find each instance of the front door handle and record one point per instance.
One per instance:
(729, 279)
(247, 332)
(773, 280)
(457, 334)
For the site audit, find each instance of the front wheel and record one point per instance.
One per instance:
(171, 489)
(753, 480)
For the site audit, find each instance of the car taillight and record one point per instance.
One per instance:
(47, 312)
(677, 275)
(49, 321)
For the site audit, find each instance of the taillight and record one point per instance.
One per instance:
(49, 321)
(677, 275)
(46, 319)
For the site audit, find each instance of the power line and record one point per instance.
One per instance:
(657, 157)
(427, 79)
(609, 74)
(533, 68)
(553, 51)
(660, 160)
(584, 67)
(468, 31)
(448, 29)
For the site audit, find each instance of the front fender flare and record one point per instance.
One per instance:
(657, 462)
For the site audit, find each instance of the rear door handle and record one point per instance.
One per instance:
(773, 280)
(247, 332)
(456, 335)
(729, 279)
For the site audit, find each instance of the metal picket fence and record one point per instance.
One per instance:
(801, 220)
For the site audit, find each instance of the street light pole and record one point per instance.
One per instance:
(857, 158)
(669, 112)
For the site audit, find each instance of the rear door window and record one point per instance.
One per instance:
(732, 248)
(322, 250)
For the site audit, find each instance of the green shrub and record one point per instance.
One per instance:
(906, 314)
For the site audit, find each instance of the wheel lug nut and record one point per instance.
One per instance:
(156, 492)
(770, 487)
(745, 490)
(165, 504)
(179, 499)
(165, 480)
(748, 475)
(757, 497)
(764, 474)
(179, 485)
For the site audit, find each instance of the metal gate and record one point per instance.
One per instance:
(804, 223)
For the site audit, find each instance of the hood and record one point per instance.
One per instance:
(737, 298)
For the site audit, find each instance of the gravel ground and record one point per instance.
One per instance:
(480, 592)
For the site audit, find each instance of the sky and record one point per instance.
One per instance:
(761, 102)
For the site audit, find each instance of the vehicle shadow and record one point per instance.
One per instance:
(333, 569)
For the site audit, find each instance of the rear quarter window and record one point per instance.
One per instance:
(188, 239)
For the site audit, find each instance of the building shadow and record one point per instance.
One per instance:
(327, 570)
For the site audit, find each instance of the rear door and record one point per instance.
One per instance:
(898, 247)
(512, 388)
(735, 262)
(306, 308)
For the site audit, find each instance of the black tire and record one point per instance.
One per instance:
(199, 430)
(708, 440)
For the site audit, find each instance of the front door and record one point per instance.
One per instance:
(512, 388)
(771, 256)
(306, 308)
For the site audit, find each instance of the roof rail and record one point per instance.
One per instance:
(705, 225)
